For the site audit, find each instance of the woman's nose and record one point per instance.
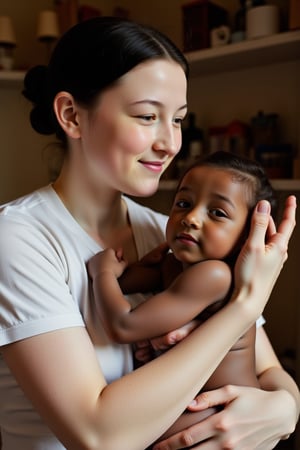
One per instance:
(168, 140)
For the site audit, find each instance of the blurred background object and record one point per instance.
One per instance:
(7, 43)
(47, 30)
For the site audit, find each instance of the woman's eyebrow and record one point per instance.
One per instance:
(156, 103)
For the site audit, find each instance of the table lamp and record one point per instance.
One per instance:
(7, 43)
(47, 29)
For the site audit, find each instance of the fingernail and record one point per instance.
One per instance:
(263, 207)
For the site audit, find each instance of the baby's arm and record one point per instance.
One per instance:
(193, 290)
(145, 275)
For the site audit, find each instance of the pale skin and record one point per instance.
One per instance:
(111, 150)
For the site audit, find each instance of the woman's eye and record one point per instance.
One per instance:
(178, 121)
(148, 117)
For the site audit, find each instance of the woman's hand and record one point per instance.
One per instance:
(263, 255)
(251, 419)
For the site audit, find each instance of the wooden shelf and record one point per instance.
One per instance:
(285, 185)
(232, 57)
(241, 55)
(11, 77)
(273, 49)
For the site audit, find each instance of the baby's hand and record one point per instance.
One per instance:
(109, 260)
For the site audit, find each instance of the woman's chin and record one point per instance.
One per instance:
(147, 190)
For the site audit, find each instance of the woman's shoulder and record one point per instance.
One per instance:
(29, 222)
(148, 226)
(28, 204)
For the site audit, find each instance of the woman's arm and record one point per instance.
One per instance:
(196, 288)
(259, 418)
(275, 412)
(60, 374)
(273, 377)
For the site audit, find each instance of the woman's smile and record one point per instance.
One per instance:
(154, 166)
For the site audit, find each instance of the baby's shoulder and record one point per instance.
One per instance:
(213, 268)
(212, 275)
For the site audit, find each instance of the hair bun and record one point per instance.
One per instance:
(35, 84)
(35, 90)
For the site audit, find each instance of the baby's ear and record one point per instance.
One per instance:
(66, 113)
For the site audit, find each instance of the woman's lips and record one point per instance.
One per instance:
(156, 167)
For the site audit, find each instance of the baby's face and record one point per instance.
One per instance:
(208, 215)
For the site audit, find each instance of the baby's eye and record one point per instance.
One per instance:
(182, 204)
(218, 213)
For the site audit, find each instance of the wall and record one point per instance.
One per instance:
(22, 158)
(165, 15)
(24, 16)
(24, 162)
(220, 98)
(24, 155)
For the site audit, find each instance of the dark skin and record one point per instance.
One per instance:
(239, 364)
(207, 221)
(202, 299)
(237, 368)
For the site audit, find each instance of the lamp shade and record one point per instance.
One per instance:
(7, 34)
(47, 25)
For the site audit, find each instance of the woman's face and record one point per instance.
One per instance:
(132, 134)
(208, 215)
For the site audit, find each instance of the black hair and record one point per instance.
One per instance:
(244, 170)
(88, 58)
(251, 175)
(253, 178)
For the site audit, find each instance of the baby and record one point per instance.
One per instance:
(207, 225)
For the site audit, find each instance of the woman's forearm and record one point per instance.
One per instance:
(187, 365)
(277, 379)
(118, 415)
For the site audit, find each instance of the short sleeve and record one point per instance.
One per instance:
(34, 293)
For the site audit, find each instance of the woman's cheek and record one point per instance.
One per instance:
(138, 140)
(178, 141)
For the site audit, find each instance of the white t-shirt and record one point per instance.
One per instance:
(44, 287)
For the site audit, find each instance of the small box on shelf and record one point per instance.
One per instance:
(199, 18)
(294, 15)
(277, 160)
(296, 168)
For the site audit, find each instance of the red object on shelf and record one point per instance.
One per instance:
(199, 17)
(67, 11)
(86, 12)
(294, 15)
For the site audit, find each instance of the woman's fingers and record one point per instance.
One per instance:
(288, 221)
(265, 250)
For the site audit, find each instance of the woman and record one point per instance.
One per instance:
(115, 94)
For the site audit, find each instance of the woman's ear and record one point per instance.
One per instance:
(65, 110)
